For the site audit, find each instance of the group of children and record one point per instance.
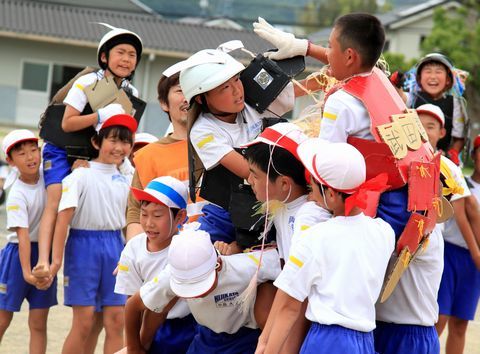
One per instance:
(309, 278)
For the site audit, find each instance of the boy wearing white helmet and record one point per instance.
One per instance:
(349, 251)
(435, 78)
(118, 54)
(211, 285)
(25, 204)
(163, 212)
(211, 84)
(459, 288)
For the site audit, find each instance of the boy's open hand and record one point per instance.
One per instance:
(227, 249)
(288, 46)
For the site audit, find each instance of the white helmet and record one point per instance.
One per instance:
(118, 36)
(205, 70)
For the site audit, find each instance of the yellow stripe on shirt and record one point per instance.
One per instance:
(296, 261)
(79, 86)
(253, 258)
(123, 268)
(13, 207)
(330, 116)
(205, 141)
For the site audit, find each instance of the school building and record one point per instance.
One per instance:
(45, 43)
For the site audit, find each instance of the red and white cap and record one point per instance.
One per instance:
(285, 135)
(15, 137)
(336, 165)
(124, 120)
(192, 259)
(164, 190)
(144, 138)
(433, 111)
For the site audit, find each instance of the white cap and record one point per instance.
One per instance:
(433, 111)
(192, 259)
(284, 135)
(145, 138)
(15, 137)
(207, 69)
(337, 165)
(164, 190)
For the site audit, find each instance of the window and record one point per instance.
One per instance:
(61, 75)
(35, 76)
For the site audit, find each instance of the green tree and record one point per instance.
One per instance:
(397, 62)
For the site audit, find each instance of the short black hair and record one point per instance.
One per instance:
(364, 33)
(319, 185)
(115, 131)
(19, 145)
(163, 88)
(175, 211)
(283, 162)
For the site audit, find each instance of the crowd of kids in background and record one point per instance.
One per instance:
(240, 231)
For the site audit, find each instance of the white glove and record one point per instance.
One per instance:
(288, 46)
(109, 111)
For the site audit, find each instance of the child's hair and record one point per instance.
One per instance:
(175, 211)
(282, 162)
(364, 33)
(164, 86)
(115, 131)
(319, 185)
(19, 145)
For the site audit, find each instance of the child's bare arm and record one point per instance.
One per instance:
(134, 309)
(287, 310)
(463, 223)
(236, 164)
(73, 120)
(59, 236)
(151, 321)
(24, 252)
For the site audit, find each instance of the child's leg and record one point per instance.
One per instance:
(442, 322)
(37, 323)
(47, 224)
(457, 330)
(113, 321)
(82, 323)
(5, 319)
(92, 339)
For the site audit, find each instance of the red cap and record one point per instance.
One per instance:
(124, 120)
(476, 142)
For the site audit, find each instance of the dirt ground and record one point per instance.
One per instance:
(16, 338)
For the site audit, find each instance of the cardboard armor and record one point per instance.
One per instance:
(401, 149)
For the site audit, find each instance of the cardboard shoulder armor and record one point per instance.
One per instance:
(399, 135)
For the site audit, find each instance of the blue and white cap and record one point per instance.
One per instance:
(164, 190)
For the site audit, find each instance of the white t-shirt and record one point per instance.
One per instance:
(451, 232)
(213, 138)
(138, 265)
(219, 310)
(76, 96)
(344, 115)
(25, 205)
(458, 119)
(308, 215)
(339, 265)
(475, 190)
(414, 300)
(286, 218)
(99, 194)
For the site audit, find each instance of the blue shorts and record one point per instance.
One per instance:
(333, 339)
(174, 336)
(217, 222)
(14, 289)
(392, 208)
(392, 338)
(55, 164)
(90, 259)
(207, 341)
(460, 286)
